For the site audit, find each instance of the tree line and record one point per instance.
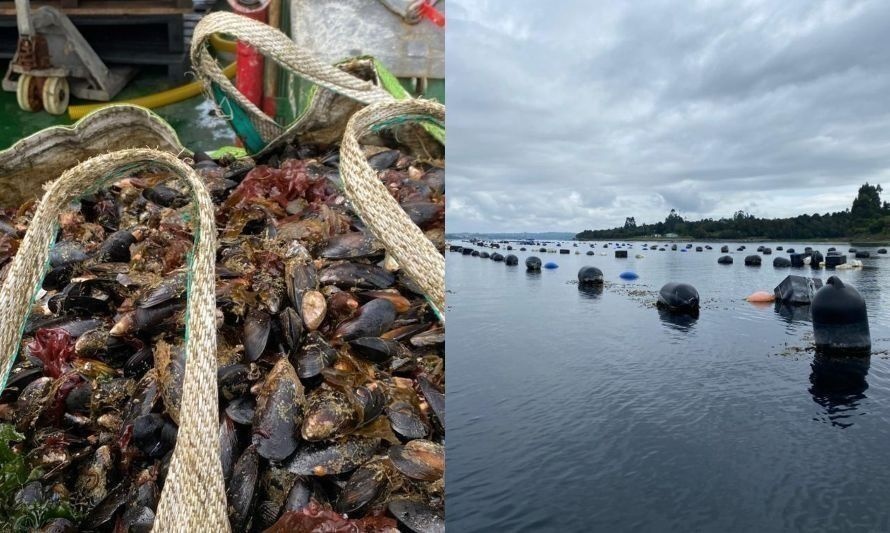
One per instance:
(867, 218)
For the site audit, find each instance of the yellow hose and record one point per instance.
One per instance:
(170, 96)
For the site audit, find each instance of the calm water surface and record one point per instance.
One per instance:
(573, 410)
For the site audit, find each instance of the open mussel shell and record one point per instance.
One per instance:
(315, 356)
(376, 349)
(329, 458)
(257, 326)
(419, 459)
(406, 421)
(372, 319)
(356, 275)
(417, 516)
(242, 489)
(279, 412)
(299, 276)
(329, 413)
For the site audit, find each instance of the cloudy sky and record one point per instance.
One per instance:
(577, 117)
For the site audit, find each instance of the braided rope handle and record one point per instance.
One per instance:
(277, 46)
(379, 210)
(193, 498)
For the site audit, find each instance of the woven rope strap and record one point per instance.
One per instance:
(379, 210)
(193, 498)
(277, 46)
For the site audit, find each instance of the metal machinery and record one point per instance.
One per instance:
(53, 60)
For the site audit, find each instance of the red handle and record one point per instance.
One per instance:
(433, 14)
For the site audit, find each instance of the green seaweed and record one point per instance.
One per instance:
(14, 474)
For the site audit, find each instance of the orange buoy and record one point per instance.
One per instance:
(761, 297)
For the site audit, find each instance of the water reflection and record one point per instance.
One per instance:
(838, 385)
(591, 292)
(793, 313)
(678, 321)
(533, 274)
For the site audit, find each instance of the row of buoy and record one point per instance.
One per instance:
(840, 317)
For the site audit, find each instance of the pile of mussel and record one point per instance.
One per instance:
(331, 361)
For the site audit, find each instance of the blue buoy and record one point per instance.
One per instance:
(682, 249)
(551, 265)
(628, 275)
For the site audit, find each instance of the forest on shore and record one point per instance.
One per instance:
(867, 219)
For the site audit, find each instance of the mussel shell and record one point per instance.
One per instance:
(299, 277)
(257, 326)
(242, 410)
(165, 196)
(313, 308)
(242, 489)
(170, 288)
(384, 160)
(366, 485)
(416, 516)
(139, 363)
(435, 179)
(373, 318)
(371, 401)
(232, 381)
(57, 525)
(406, 421)
(434, 398)
(292, 328)
(279, 412)
(299, 496)
(356, 275)
(116, 247)
(228, 444)
(324, 459)
(315, 356)
(352, 245)
(153, 435)
(376, 349)
(329, 413)
(149, 317)
(106, 509)
(425, 214)
(419, 459)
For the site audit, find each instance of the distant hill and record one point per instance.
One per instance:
(867, 220)
(542, 236)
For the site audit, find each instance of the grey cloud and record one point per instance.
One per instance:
(578, 116)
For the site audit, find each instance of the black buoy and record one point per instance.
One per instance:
(797, 290)
(807, 249)
(760, 248)
(497, 257)
(590, 275)
(590, 252)
(862, 254)
(475, 253)
(781, 262)
(840, 319)
(725, 260)
(740, 248)
(509, 247)
(679, 298)
(621, 254)
(882, 250)
(752, 260)
(511, 260)
(796, 260)
(832, 249)
(834, 259)
(543, 250)
(852, 250)
(698, 248)
(484, 255)
(790, 250)
(816, 259)
(466, 251)
(564, 250)
(767, 251)
(455, 248)
(724, 249)
(779, 248)
(532, 263)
